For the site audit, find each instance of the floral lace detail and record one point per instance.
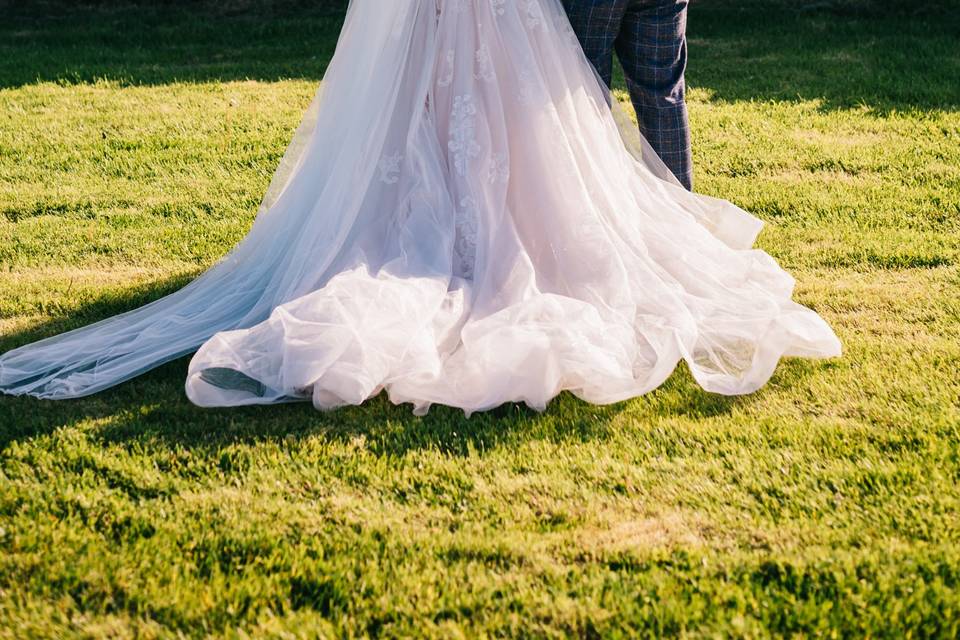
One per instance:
(389, 168)
(463, 133)
(447, 79)
(499, 170)
(465, 244)
(484, 64)
(534, 14)
(498, 7)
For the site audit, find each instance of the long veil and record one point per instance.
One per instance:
(364, 79)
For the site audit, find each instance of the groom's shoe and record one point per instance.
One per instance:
(649, 37)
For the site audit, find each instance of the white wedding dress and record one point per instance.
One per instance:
(459, 220)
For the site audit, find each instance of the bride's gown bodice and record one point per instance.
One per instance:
(459, 221)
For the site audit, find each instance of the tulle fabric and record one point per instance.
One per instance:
(460, 221)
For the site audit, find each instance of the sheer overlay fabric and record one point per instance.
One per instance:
(459, 220)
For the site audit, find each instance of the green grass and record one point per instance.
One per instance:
(134, 146)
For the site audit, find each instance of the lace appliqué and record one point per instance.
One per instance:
(389, 168)
(463, 133)
(534, 14)
(447, 79)
(499, 169)
(484, 64)
(465, 243)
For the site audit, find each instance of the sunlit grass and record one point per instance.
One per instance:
(132, 157)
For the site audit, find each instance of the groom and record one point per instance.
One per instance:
(649, 37)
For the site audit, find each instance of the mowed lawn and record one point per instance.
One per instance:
(134, 146)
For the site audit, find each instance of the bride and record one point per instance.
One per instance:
(458, 220)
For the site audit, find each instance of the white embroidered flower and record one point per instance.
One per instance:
(534, 11)
(484, 64)
(389, 167)
(465, 243)
(463, 133)
(447, 79)
(499, 170)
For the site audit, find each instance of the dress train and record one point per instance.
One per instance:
(459, 220)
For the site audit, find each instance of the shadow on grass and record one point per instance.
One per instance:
(739, 52)
(154, 407)
(881, 61)
(158, 44)
(153, 411)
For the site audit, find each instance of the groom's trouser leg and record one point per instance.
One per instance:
(652, 47)
(597, 24)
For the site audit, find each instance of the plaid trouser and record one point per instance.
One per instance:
(649, 37)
